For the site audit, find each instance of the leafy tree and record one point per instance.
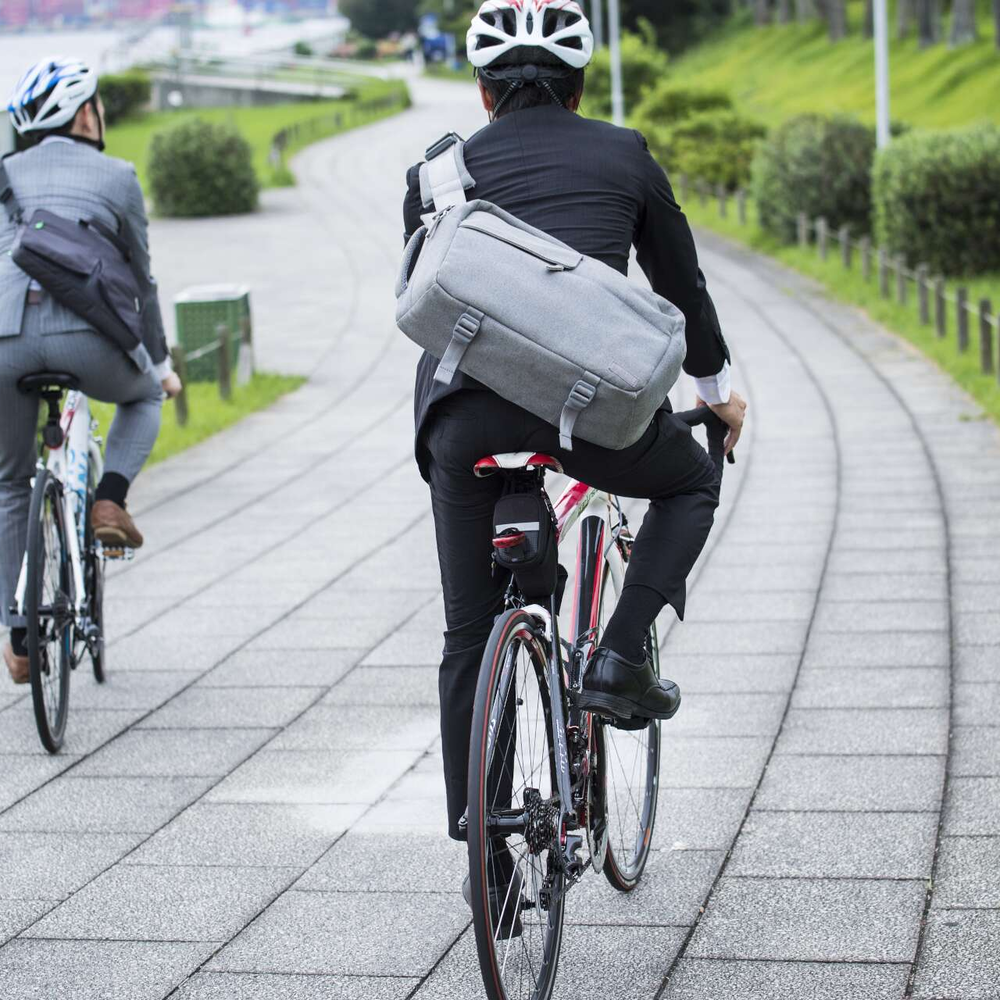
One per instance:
(963, 22)
(679, 24)
(378, 18)
(929, 22)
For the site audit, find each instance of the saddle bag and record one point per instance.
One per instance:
(525, 543)
(560, 334)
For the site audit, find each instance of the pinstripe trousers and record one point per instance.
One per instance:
(105, 374)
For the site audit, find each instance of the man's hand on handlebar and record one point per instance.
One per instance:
(732, 414)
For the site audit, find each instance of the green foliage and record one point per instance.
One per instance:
(303, 49)
(125, 94)
(367, 49)
(644, 65)
(202, 168)
(937, 199)
(666, 104)
(715, 146)
(381, 18)
(679, 23)
(817, 165)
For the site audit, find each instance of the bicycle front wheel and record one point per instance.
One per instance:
(515, 873)
(49, 611)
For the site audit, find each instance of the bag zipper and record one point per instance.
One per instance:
(551, 265)
(437, 221)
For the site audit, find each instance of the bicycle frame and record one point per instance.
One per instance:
(70, 466)
(577, 502)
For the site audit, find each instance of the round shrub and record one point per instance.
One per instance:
(202, 168)
(644, 65)
(124, 94)
(667, 104)
(817, 165)
(937, 199)
(713, 146)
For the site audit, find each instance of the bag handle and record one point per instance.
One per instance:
(7, 197)
(580, 397)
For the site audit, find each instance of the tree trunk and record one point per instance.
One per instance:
(805, 10)
(963, 22)
(996, 21)
(904, 17)
(784, 11)
(928, 22)
(836, 18)
(868, 24)
(762, 12)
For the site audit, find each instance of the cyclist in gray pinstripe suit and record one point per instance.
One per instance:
(56, 107)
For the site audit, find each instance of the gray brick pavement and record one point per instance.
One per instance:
(259, 784)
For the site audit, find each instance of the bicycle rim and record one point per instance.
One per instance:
(48, 607)
(513, 773)
(629, 762)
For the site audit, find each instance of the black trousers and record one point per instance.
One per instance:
(666, 466)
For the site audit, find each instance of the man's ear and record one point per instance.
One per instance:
(486, 96)
(573, 104)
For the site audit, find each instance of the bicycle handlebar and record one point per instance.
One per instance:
(717, 429)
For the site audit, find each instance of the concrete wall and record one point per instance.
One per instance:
(208, 92)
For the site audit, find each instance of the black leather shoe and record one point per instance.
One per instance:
(617, 687)
(505, 900)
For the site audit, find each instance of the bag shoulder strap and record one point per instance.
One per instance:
(444, 177)
(7, 197)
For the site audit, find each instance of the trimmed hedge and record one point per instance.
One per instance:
(817, 165)
(201, 168)
(124, 94)
(937, 199)
(667, 103)
(714, 146)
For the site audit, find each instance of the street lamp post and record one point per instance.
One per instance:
(615, 35)
(597, 22)
(882, 73)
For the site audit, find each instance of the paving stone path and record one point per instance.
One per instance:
(251, 807)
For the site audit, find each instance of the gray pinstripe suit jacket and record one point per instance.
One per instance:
(76, 181)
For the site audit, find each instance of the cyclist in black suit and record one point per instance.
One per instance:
(597, 188)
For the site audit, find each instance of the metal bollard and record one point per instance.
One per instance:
(821, 237)
(181, 411)
(844, 235)
(962, 314)
(986, 336)
(722, 195)
(923, 294)
(901, 280)
(883, 273)
(803, 229)
(741, 206)
(223, 357)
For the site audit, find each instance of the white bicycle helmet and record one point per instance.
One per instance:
(559, 27)
(49, 95)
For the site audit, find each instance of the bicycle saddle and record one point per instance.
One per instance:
(47, 380)
(515, 461)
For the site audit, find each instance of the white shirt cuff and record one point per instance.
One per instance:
(163, 369)
(715, 389)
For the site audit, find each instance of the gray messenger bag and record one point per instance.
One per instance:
(562, 335)
(84, 265)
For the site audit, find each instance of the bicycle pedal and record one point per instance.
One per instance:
(119, 553)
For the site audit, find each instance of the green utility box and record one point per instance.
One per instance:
(200, 311)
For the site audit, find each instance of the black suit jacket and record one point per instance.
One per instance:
(597, 188)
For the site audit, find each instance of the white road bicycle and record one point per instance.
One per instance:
(60, 592)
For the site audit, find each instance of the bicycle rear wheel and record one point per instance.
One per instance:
(49, 611)
(516, 879)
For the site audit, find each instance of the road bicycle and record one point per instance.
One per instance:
(547, 779)
(60, 591)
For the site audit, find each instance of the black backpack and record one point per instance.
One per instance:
(82, 264)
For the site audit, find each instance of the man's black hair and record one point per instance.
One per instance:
(559, 89)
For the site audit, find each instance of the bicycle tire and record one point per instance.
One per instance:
(623, 846)
(48, 610)
(94, 581)
(503, 689)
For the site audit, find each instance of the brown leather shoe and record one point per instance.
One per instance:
(20, 672)
(113, 526)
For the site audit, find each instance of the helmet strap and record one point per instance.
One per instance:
(515, 86)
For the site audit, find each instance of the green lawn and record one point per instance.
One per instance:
(208, 414)
(130, 139)
(444, 71)
(849, 286)
(781, 70)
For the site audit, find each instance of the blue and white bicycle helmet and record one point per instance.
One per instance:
(50, 94)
